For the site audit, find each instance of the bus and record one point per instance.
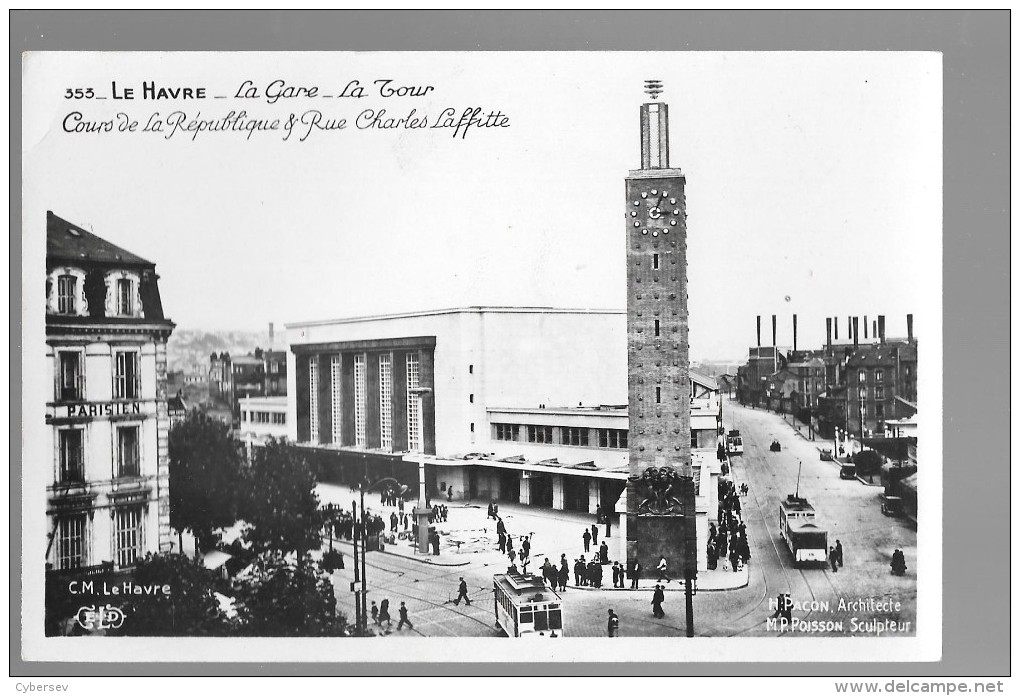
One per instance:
(525, 607)
(734, 443)
(808, 541)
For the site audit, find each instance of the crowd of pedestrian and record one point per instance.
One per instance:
(728, 540)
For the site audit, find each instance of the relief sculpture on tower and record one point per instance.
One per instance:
(659, 489)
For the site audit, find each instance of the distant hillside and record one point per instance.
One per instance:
(714, 368)
(190, 347)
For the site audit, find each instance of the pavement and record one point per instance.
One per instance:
(468, 538)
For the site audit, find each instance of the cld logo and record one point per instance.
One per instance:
(92, 618)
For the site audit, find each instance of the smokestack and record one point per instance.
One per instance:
(794, 333)
(835, 328)
(881, 328)
(849, 327)
(270, 335)
(910, 327)
(874, 328)
(854, 323)
(828, 332)
(773, 330)
(759, 331)
(865, 327)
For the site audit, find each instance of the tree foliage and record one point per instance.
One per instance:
(867, 462)
(279, 597)
(206, 473)
(191, 609)
(281, 507)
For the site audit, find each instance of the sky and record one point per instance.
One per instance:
(813, 184)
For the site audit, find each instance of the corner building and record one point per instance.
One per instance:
(107, 416)
(658, 371)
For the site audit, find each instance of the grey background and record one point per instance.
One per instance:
(975, 47)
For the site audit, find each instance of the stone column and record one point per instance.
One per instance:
(525, 489)
(593, 496)
(557, 486)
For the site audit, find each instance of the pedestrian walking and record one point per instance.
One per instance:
(563, 576)
(594, 534)
(604, 554)
(500, 527)
(375, 614)
(462, 593)
(734, 558)
(526, 547)
(713, 559)
(510, 547)
(658, 597)
(839, 553)
(489, 513)
(833, 559)
(578, 571)
(635, 575)
(403, 618)
(663, 569)
(613, 626)
(586, 537)
(384, 613)
(449, 494)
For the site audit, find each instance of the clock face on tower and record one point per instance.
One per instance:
(655, 212)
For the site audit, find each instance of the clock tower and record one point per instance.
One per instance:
(660, 490)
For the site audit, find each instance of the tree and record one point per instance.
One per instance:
(279, 597)
(281, 507)
(189, 609)
(206, 473)
(867, 462)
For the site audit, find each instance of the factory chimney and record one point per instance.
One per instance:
(881, 328)
(794, 333)
(910, 328)
(854, 329)
(828, 332)
(865, 327)
(759, 331)
(773, 330)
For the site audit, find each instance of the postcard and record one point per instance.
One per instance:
(548, 355)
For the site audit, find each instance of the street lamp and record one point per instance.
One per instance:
(421, 511)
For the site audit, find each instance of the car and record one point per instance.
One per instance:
(825, 455)
(848, 472)
(892, 505)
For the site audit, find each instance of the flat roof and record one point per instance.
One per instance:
(481, 309)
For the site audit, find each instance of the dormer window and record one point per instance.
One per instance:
(125, 297)
(67, 294)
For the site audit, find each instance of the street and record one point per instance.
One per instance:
(849, 510)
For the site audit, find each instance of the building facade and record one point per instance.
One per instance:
(108, 500)
(261, 418)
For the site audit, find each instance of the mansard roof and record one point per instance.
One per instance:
(69, 243)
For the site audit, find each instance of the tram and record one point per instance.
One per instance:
(525, 607)
(734, 443)
(808, 541)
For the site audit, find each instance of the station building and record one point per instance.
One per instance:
(528, 405)
(107, 416)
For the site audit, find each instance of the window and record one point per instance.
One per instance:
(862, 376)
(125, 297)
(72, 542)
(471, 398)
(67, 294)
(694, 439)
(127, 451)
(385, 402)
(471, 369)
(359, 400)
(541, 434)
(335, 397)
(863, 392)
(655, 261)
(128, 534)
(879, 393)
(313, 398)
(575, 436)
(413, 415)
(274, 367)
(658, 395)
(72, 383)
(656, 327)
(125, 378)
(505, 431)
(472, 427)
(879, 375)
(880, 411)
(279, 419)
(613, 438)
(72, 462)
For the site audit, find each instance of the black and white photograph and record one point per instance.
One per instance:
(500, 348)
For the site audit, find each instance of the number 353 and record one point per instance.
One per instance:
(79, 93)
